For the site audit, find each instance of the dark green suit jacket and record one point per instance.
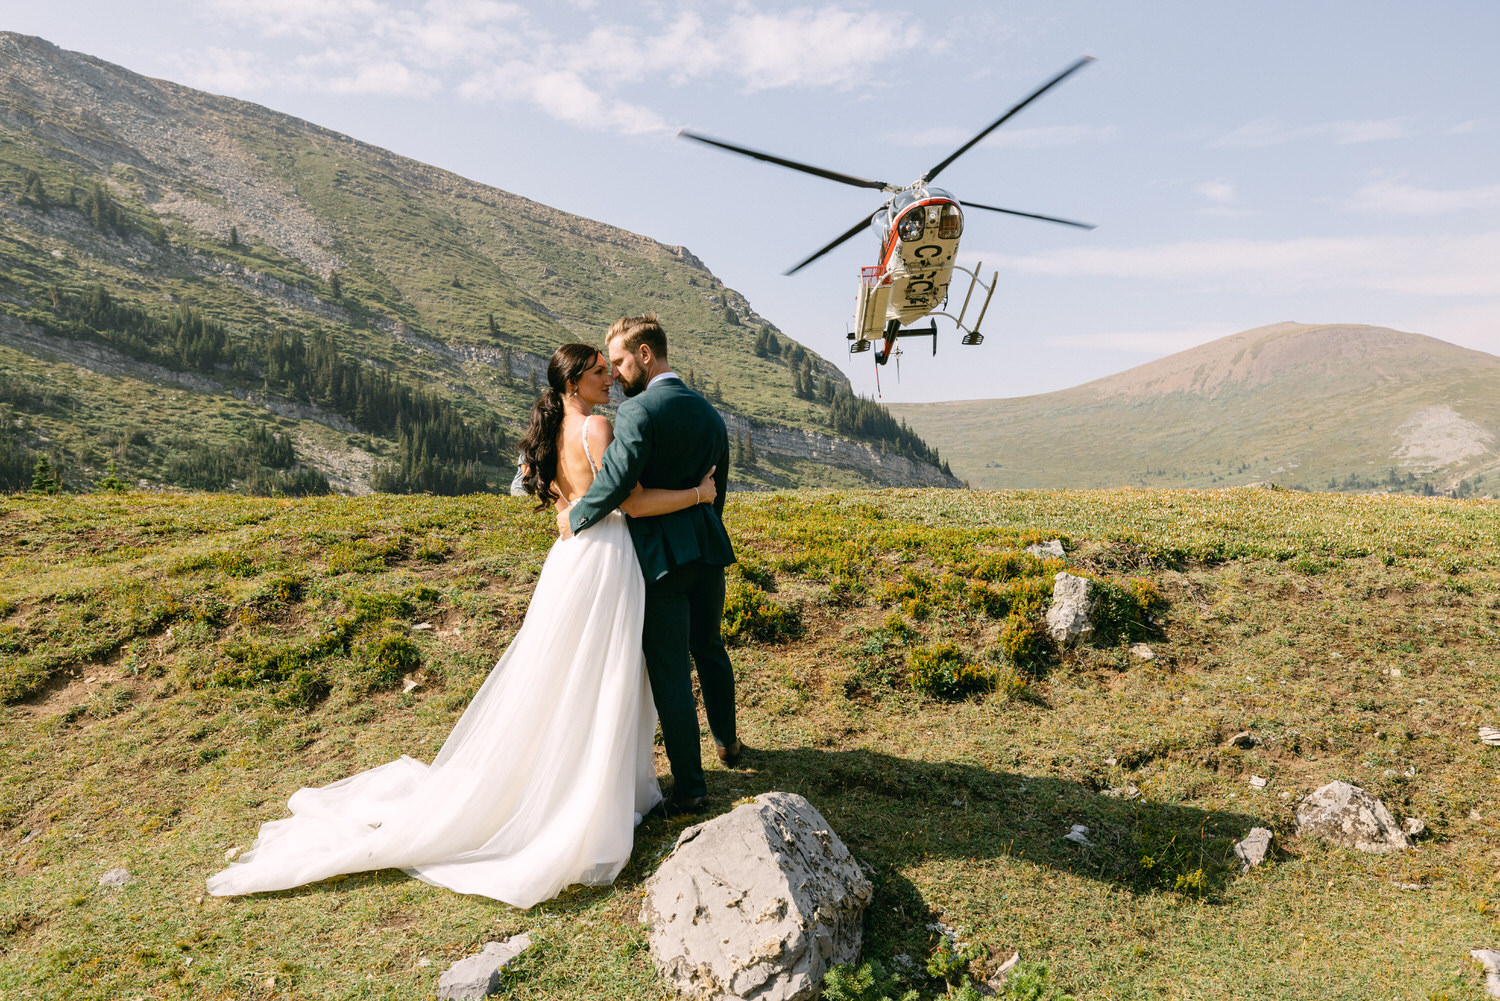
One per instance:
(667, 437)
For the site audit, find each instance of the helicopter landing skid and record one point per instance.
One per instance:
(972, 336)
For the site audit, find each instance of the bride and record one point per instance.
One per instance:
(546, 774)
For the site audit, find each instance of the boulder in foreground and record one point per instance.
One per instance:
(756, 904)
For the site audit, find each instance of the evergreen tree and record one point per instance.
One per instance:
(730, 316)
(335, 286)
(762, 343)
(505, 363)
(33, 193)
(750, 457)
(234, 236)
(111, 482)
(44, 479)
(494, 330)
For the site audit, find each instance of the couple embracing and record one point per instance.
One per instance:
(544, 777)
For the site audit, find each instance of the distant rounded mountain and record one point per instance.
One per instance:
(1314, 406)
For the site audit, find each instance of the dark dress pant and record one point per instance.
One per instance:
(684, 610)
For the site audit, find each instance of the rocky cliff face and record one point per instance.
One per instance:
(266, 223)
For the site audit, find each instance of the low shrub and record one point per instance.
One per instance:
(1025, 642)
(387, 658)
(946, 672)
(1125, 612)
(751, 615)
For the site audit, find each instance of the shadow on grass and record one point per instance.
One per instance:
(894, 812)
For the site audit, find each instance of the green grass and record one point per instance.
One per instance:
(1354, 638)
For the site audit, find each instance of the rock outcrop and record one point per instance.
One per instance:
(1347, 815)
(756, 904)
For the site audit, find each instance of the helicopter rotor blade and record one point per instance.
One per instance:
(852, 231)
(832, 175)
(1029, 215)
(1006, 117)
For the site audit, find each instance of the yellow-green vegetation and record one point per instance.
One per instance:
(175, 666)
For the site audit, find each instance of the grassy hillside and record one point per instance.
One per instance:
(175, 666)
(1344, 407)
(188, 209)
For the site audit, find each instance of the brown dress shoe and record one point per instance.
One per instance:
(731, 754)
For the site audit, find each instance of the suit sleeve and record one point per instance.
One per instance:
(619, 470)
(721, 477)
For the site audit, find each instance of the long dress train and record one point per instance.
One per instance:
(543, 779)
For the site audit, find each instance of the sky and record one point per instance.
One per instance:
(1323, 161)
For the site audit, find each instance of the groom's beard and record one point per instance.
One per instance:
(632, 387)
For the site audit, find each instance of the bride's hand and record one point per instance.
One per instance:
(707, 491)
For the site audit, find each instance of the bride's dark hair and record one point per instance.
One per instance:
(539, 446)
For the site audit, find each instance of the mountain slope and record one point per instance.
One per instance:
(1332, 406)
(379, 313)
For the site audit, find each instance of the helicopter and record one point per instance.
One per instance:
(919, 228)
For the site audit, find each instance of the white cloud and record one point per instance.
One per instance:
(497, 51)
(1422, 266)
(1269, 132)
(1219, 191)
(1391, 197)
(563, 95)
(813, 48)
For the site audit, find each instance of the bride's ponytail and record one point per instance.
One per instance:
(539, 447)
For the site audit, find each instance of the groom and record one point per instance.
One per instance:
(668, 436)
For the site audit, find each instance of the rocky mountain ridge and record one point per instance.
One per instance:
(173, 201)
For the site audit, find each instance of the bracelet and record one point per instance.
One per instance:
(698, 496)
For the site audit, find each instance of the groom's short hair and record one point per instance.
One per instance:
(638, 330)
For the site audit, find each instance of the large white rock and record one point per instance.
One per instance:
(1068, 619)
(1345, 814)
(756, 904)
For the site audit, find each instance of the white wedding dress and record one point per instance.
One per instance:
(543, 779)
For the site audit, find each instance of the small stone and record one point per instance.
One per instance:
(1052, 547)
(1111, 762)
(478, 976)
(1079, 834)
(1130, 791)
(1141, 651)
(1252, 850)
(1256, 782)
(1395, 672)
(1411, 771)
(1244, 740)
(31, 836)
(89, 681)
(996, 982)
(1414, 826)
(232, 854)
(1474, 814)
(422, 625)
(1489, 735)
(409, 685)
(424, 962)
(1490, 960)
(1336, 655)
(115, 878)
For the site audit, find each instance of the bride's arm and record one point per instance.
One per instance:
(644, 502)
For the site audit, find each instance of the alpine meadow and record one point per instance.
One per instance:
(261, 387)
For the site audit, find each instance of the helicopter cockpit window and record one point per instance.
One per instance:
(910, 227)
(951, 226)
